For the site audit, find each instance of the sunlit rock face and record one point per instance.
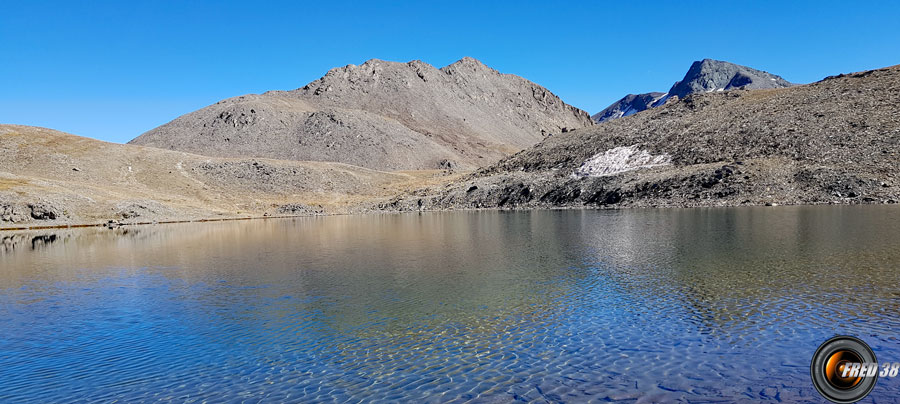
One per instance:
(618, 160)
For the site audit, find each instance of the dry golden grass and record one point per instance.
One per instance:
(9, 183)
(97, 181)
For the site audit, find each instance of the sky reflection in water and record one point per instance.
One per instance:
(659, 305)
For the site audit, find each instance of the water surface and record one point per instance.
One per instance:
(548, 306)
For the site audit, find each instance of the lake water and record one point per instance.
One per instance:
(549, 306)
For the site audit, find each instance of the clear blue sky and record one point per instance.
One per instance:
(112, 70)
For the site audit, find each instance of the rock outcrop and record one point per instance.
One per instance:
(13, 211)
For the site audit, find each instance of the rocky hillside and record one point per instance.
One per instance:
(703, 76)
(53, 178)
(380, 115)
(833, 141)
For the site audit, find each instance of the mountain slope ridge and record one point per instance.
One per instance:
(833, 141)
(381, 115)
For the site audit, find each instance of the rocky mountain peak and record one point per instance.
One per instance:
(703, 76)
(382, 115)
(468, 65)
(468, 61)
(715, 75)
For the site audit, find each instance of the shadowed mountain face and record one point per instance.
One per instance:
(704, 76)
(628, 105)
(834, 141)
(381, 115)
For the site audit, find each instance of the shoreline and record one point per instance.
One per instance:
(113, 225)
(117, 224)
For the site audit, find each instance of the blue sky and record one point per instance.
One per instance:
(112, 70)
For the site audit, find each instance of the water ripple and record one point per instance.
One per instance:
(705, 305)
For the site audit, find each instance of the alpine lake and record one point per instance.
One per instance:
(640, 305)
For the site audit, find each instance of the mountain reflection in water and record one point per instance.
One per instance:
(653, 304)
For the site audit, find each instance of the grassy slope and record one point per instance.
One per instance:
(83, 180)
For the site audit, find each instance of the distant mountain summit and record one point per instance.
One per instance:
(628, 105)
(715, 75)
(381, 115)
(706, 75)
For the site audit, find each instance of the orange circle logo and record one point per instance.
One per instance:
(844, 369)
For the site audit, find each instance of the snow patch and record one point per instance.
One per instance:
(660, 101)
(618, 114)
(619, 160)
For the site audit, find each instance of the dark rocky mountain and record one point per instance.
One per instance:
(628, 105)
(715, 75)
(833, 141)
(381, 115)
(703, 76)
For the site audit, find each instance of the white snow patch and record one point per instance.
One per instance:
(618, 160)
(660, 101)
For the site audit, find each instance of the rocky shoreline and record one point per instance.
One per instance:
(393, 207)
(709, 185)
